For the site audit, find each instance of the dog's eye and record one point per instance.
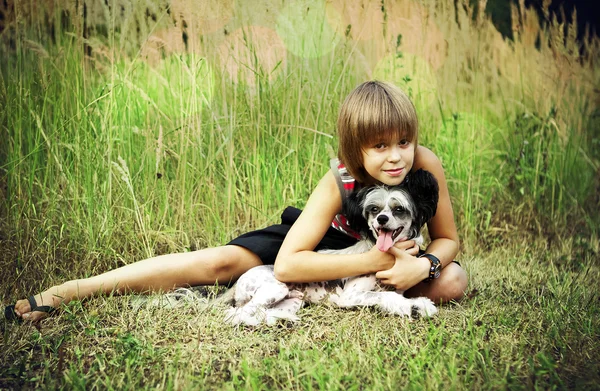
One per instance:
(398, 209)
(374, 209)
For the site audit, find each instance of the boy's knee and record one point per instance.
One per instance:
(455, 282)
(230, 262)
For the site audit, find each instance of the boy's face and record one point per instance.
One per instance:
(388, 161)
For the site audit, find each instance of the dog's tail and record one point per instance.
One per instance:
(196, 297)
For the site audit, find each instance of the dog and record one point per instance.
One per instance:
(382, 215)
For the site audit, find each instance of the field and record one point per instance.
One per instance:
(145, 128)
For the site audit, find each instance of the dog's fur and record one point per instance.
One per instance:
(382, 215)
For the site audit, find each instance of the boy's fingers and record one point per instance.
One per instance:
(399, 253)
(395, 251)
(405, 245)
(414, 250)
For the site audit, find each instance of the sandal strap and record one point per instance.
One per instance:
(42, 308)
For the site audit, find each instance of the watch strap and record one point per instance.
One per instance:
(434, 268)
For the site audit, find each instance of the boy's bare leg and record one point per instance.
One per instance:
(162, 273)
(451, 285)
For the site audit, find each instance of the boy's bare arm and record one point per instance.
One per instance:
(298, 262)
(442, 228)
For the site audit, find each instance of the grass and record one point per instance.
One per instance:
(108, 159)
(520, 328)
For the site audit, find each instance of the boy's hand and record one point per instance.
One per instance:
(386, 260)
(407, 270)
(410, 246)
(380, 260)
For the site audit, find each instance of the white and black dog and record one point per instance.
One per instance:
(382, 215)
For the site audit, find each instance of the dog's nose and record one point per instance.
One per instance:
(382, 219)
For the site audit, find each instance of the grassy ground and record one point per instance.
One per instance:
(143, 149)
(520, 327)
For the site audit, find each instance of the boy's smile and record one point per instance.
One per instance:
(388, 162)
(394, 172)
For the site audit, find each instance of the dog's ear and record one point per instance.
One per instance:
(424, 190)
(353, 210)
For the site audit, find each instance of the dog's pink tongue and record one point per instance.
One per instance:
(384, 240)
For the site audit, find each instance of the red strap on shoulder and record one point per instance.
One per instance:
(347, 180)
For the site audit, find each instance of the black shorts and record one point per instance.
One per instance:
(266, 242)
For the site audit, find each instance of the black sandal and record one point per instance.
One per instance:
(10, 314)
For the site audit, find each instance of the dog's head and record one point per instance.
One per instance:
(388, 214)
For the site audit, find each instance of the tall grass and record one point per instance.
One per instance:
(121, 143)
(494, 119)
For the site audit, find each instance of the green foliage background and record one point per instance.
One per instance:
(109, 155)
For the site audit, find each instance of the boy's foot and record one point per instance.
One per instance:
(33, 309)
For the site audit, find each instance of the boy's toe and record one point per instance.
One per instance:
(28, 309)
(35, 316)
(22, 307)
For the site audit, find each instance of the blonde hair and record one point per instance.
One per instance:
(374, 111)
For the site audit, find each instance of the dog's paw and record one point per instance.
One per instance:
(285, 309)
(274, 315)
(397, 306)
(423, 307)
(404, 310)
(295, 294)
(243, 316)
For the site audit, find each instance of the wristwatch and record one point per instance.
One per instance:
(436, 266)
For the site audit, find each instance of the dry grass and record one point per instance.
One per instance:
(142, 148)
(521, 326)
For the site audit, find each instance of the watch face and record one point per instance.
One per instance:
(437, 272)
